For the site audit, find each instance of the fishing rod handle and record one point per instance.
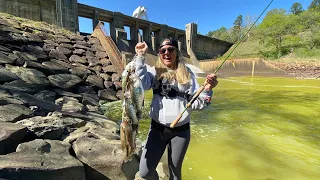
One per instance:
(195, 96)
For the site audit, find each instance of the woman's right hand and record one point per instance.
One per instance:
(141, 48)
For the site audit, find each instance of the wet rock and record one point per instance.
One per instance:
(11, 136)
(14, 113)
(42, 159)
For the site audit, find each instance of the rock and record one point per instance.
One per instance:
(34, 101)
(106, 77)
(103, 121)
(9, 100)
(11, 136)
(118, 85)
(25, 56)
(80, 71)
(36, 51)
(4, 59)
(78, 59)
(107, 94)
(55, 66)
(63, 40)
(101, 55)
(64, 81)
(64, 50)
(30, 76)
(5, 49)
(6, 76)
(109, 69)
(46, 95)
(19, 85)
(108, 84)
(51, 127)
(14, 113)
(68, 46)
(67, 93)
(56, 54)
(70, 105)
(105, 62)
(90, 99)
(79, 51)
(115, 77)
(79, 46)
(32, 37)
(42, 159)
(103, 158)
(95, 81)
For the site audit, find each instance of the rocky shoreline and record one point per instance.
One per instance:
(299, 69)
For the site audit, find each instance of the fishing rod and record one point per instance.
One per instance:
(195, 96)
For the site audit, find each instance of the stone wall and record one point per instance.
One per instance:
(52, 83)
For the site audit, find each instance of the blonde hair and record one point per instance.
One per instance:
(179, 72)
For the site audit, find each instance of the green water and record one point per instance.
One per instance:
(255, 128)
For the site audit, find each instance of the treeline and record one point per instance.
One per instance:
(280, 32)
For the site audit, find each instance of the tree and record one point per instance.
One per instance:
(221, 34)
(275, 27)
(315, 5)
(237, 28)
(311, 25)
(296, 8)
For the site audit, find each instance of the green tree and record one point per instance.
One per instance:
(315, 5)
(237, 28)
(274, 29)
(296, 8)
(221, 34)
(310, 21)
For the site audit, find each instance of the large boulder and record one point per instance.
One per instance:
(41, 160)
(100, 150)
(51, 127)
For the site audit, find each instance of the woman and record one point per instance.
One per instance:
(173, 85)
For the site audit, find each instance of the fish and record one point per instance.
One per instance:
(132, 106)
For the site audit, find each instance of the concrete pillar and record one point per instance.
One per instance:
(154, 45)
(134, 30)
(163, 33)
(147, 34)
(191, 36)
(116, 25)
(95, 19)
(67, 14)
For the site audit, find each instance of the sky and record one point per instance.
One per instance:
(210, 15)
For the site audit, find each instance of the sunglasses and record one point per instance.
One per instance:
(163, 50)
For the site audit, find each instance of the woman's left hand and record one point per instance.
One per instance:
(212, 82)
